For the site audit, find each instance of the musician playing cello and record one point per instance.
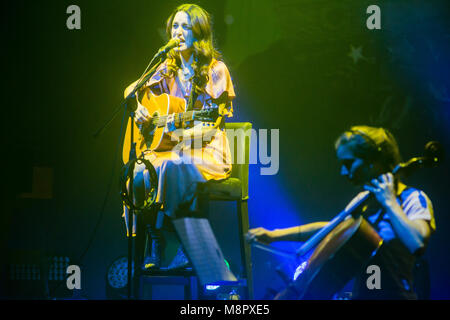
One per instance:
(192, 71)
(401, 215)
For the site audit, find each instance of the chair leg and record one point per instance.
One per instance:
(242, 209)
(140, 288)
(193, 288)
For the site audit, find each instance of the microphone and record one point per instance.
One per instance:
(174, 42)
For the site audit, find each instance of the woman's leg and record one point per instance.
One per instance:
(178, 179)
(153, 235)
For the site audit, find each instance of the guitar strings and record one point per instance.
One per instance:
(161, 120)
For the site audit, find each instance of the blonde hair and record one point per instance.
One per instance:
(372, 144)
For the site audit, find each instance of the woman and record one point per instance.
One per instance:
(192, 71)
(402, 216)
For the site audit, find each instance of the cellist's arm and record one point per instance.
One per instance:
(299, 233)
(413, 233)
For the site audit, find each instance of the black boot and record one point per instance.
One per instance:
(153, 249)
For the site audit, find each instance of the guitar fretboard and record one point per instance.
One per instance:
(160, 121)
(183, 116)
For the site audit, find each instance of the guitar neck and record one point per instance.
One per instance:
(178, 117)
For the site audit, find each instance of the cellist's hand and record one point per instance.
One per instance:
(261, 235)
(383, 188)
(141, 115)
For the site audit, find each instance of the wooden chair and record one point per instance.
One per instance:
(235, 189)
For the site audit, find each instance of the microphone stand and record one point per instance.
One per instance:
(132, 156)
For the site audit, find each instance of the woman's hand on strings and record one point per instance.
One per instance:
(141, 115)
(383, 189)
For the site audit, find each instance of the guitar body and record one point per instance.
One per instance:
(152, 137)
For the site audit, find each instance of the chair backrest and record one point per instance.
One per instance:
(239, 137)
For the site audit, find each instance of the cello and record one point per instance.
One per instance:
(336, 253)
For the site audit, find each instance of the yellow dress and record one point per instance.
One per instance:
(180, 170)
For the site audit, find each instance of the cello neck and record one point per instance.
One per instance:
(322, 233)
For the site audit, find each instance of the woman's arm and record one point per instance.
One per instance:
(413, 233)
(299, 233)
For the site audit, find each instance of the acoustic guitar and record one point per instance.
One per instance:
(151, 135)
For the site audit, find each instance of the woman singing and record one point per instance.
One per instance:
(192, 71)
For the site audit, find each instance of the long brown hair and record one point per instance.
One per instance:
(204, 50)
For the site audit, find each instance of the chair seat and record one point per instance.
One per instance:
(228, 189)
(168, 272)
(186, 278)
